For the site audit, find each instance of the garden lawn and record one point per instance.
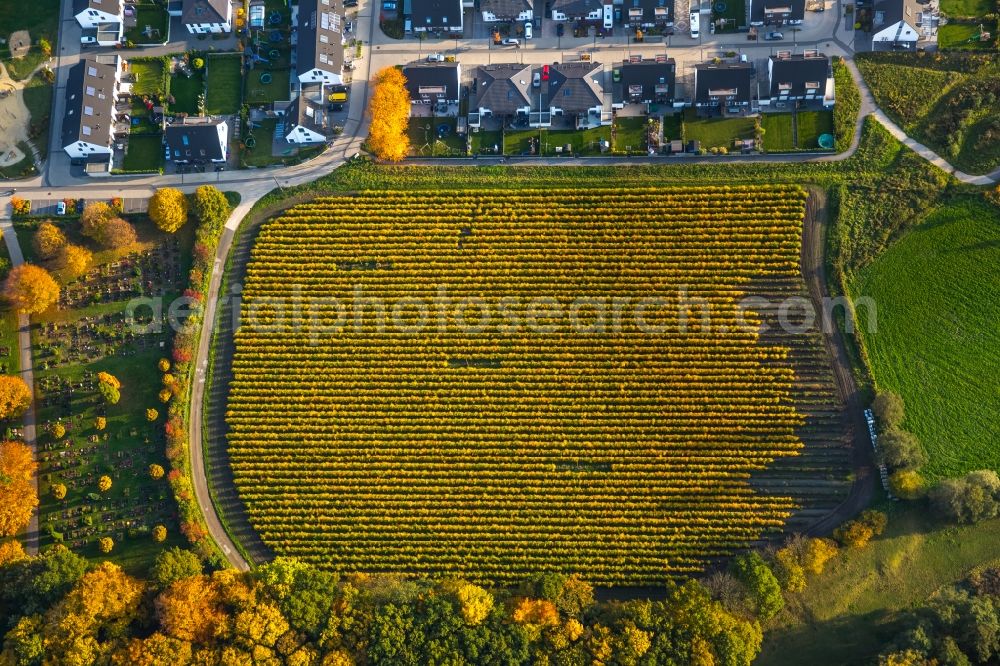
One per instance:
(224, 83)
(778, 134)
(846, 615)
(672, 124)
(38, 98)
(810, 126)
(185, 92)
(483, 140)
(260, 154)
(938, 304)
(40, 18)
(735, 13)
(155, 18)
(583, 142)
(9, 356)
(424, 139)
(630, 134)
(149, 76)
(264, 93)
(144, 153)
(957, 35)
(969, 8)
(713, 132)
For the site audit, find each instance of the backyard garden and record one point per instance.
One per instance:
(152, 23)
(224, 84)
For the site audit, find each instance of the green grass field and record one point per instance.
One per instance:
(40, 18)
(265, 93)
(9, 359)
(957, 36)
(735, 13)
(716, 132)
(260, 154)
(778, 135)
(938, 304)
(812, 124)
(630, 134)
(151, 25)
(224, 83)
(424, 140)
(148, 76)
(145, 152)
(483, 140)
(38, 98)
(185, 92)
(967, 7)
(582, 142)
(846, 615)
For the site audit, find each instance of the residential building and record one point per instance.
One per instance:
(578, 10)
(433, 83)
(647, 14)
(647, 82)
(899, 24)
(93, 116)
(319, 50)
(501, 91)
(725, 87)
(207, 16)
(777, 12)
(577, 89)
(507, 10)
(308, 119)
(101, 19)
(436, 15)
(803, 78)
(197, 141)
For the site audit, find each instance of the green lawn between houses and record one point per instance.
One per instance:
(958, 36)
(144, 152)
(778, 131)
(483, 142)
(716, 132)
(153, 17)
(424, 141)
(938, 304)
(582, 142)
(630, 134)
(810, 126)
(185, 91)
(968, 8)
(149, 76)
(38, 98)
(224, 83)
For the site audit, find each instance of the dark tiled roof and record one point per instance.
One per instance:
(435, 75)
(194, 142)
(576, 86)
(641, 80)
(795, 71)
(787, 10)
(572, 8)
(436, 13)
(652, 11)
(894, 11)
(503, 88)
(320, 36)
(505, 9)
(711, 80)
(204, 11)
(89, 81)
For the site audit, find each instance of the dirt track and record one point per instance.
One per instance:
(813, 267)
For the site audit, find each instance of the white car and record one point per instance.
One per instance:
(435, 57)
(527, 30)
(695, 25)
(61, 208)
(88, 40)
(510, 41)
(536, 81)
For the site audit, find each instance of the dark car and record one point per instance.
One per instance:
(773, 36)
(350, 3)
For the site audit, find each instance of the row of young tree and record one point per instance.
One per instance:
(967, 499)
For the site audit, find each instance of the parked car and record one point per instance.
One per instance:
(545, 72)
(435, 57)
(8, 193)
(510, 41)
(350, 3)
(536, 80)
(389, 6)
(560, 29)
(61, 208)
(527, 30)
(88, 40)
(773, 36)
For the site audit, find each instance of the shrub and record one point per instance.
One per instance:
(104, 483)
(853, 534)
(57, 430)
(889, 411)
(907, 484)
(155, 471)
(106, 544)
(59, 491)
(969, 499)
(159, 534)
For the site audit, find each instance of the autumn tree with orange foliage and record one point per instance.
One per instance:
(390, 112)
(11, 551)
(30, 289)
(17, 492)
(15, 396)
(191, 610)
(73, 260)
(48, 240)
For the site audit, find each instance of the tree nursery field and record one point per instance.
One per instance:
(379, 423)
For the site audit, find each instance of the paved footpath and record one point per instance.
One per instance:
(27, 374)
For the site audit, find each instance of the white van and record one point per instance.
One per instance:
(695, 25)
(609, 17)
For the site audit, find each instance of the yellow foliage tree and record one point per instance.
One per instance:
(106, 544)
(104, 483)
(15, 396)
(164, 395)
(30, 289)
(154, 650)
(155, 471)
(817, 553)
(163, 365)
(159, 534)
(907, 484)
(168, 208)
(57, 430)
(100, 423)
(191, 609)
(790, 573)
(260, 624)
(18, 497)
(539, 612)
(390, 113)
(74, 260)
(476, 603)
(93, 218)
(59, 491)
(853, 534)
(48, 240)
(11, 551)
(152, 415)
